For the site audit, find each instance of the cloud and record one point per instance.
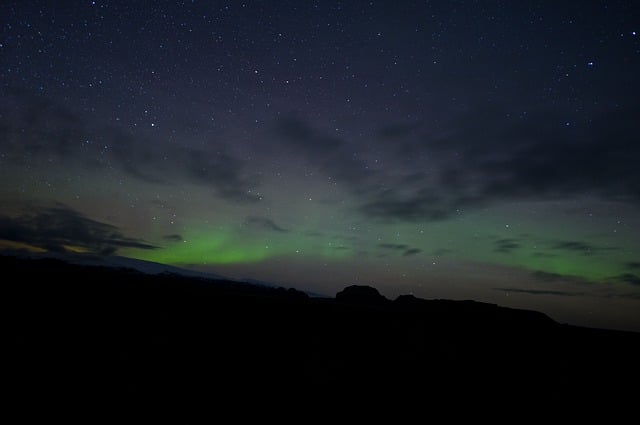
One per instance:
(33, 125)
(173, 238)
(548, 276)
(506, 246)
(302, 135)
(544, 255)
(488, 156)
(631, 278)
(40, 129)
(393, 246)
(581, 247)
(585, 248)
(220, 171)
(264, 224)
(63, 229)
(391, 206)
(545, 276)
(433, 171)
(330, 154)
(411, 251)
(633, 265)
(406, 249)
(541, 292)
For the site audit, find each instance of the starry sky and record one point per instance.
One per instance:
(484, 150)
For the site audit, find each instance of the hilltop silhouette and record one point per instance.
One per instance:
(86, 332)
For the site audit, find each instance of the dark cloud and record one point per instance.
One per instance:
(420, 206)
(541, 292)
(264, 223)
(305, 138)
(548, 276)
(411, 251)
(544, 255)
(406, 249)
(220, 171)
(483, 157)
(393, 246)
(631, 278)
(581, 247)
(545, 276)
(173, 238)
(585, 248)
(32, 125)
(330, 154)
(35, 127)
(491, 156)
(506, 246)
(57, 227)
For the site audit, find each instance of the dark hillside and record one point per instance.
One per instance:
(90, 333)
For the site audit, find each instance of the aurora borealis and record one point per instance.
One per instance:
(449, 149)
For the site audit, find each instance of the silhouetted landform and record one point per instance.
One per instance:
(360, 294)
(121, 336)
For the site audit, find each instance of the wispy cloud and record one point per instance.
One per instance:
(62, 229)
(36, 127)
(264, 223)
(393, 246)
(547, 276)
(411, 251)
(407, 251)
(583, 248)
(631, 278)
(506, 246)
(482, 158)
(541, 292)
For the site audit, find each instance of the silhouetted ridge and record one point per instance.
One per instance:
(292, 293)
(361, 294)
(95, 331)
(473, 314)
(409, 302)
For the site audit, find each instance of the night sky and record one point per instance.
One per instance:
(484, 150)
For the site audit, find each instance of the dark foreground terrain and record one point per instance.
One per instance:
(108, 336)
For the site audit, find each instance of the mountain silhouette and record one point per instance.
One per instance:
(361, 294)
(80, 332)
